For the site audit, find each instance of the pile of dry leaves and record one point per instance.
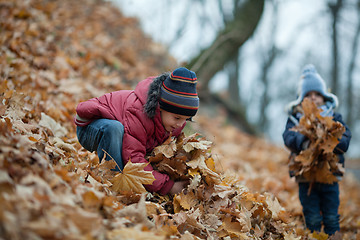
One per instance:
(55, 54)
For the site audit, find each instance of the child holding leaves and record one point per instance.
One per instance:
(129, 124)
(320, 201)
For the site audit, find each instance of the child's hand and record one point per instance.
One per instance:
(178, 187)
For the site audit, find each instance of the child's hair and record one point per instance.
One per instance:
(154, 95)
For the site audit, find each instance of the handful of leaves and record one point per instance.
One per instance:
(318, 162)
(185, 157)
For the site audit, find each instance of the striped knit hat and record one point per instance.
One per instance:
(178, 93)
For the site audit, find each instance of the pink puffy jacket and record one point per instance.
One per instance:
(141, 134)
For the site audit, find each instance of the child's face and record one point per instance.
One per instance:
(315, 97)
(172, 121)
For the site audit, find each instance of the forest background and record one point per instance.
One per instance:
(261, 74)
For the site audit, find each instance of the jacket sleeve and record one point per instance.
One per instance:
(344, 141)
(293, 140)
(134, 148)
(93, 109)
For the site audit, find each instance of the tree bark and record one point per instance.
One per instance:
(226, 44)
(335, 10)
(349, 93)
(224, 48)
(233, 71)
(267, 63)
(265, 99)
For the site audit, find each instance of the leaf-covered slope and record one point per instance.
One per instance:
(57, 53)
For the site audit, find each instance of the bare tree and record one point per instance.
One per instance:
(223, 50)
(266, 66)
(335, 7)
(350, 73)
(232, 67)
(234, 88)
(212, 59)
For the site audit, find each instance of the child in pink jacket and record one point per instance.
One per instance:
(128, 124)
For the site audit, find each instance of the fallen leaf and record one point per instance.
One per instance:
(58, 130)
(132, 178)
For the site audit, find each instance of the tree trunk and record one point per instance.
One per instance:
(335, 10)
(268, 60)
(224, 48)
(264, 102)
(234, 89)
(349, 93)
(226, 44)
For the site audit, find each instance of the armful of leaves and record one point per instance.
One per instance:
(318, 162)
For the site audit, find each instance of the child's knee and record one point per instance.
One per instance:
(113, 128)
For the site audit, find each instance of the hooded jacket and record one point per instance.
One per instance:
(139, 112)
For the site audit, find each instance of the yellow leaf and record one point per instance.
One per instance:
(31, 138)
(186, 201)
(319, 235)
(132, 178)
(210, 164)
(192, 172)
(90, 200)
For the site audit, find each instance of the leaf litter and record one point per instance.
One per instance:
(54, 56)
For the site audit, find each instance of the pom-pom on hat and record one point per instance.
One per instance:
(310, 80)
(178, 93)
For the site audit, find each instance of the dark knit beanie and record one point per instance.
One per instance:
(178, 93)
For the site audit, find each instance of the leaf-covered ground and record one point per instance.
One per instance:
(57, 53)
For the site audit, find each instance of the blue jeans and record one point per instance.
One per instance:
(321, 206)
(103, 135)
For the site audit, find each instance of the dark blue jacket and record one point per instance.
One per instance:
(293, 140)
